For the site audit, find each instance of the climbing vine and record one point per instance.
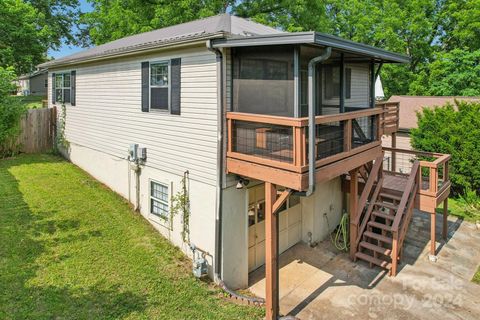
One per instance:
(181, 204)
(61, 124)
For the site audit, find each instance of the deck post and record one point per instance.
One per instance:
(445, 219)
(353, 211)
(394, 154)
(433, 219)
(271, 254)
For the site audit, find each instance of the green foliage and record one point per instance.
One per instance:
(180, 203)
(452, 73)
(11, 110)
(72, 249)
(445, 130)
(61, 139)
(114, 19)
(30, 28)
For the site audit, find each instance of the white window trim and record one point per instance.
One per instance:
(166, 222)
(62, 73)
(169, 86)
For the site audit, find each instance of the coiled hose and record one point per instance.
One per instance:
(340, 241)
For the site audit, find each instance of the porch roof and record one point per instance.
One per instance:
(313, 38)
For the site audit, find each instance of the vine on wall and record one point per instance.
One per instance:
(62, 141)
(181, 204)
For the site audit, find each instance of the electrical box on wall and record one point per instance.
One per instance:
(142, 154)
(133, 152)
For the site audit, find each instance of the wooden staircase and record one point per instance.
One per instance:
(382, 219)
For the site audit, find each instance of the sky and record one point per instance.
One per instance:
(65, 50)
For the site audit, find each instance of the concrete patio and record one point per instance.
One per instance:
(323, 283)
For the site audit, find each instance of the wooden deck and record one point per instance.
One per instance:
(275, 149)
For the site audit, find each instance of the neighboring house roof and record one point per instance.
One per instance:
(227, 31)
(410, 105)
(31, 75)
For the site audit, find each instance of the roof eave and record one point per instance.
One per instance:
(312, 38)
(133, 51)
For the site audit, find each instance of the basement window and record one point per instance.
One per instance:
(62, 87)
(159, 205)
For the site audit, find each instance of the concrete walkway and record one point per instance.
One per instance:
(322, 283)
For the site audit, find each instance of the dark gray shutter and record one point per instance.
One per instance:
(145, 86)
(175, 82)
(73, 76)
(53, 88)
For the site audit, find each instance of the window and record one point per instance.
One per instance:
(332, 82)
(159, 200)
(46, 83)
(160, 86)
(62, 87)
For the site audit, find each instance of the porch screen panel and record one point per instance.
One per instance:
(263, 80)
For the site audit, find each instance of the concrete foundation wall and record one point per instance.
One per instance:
(327, 199)
(116, 174)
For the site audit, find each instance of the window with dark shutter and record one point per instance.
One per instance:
(175, 66)
(145, 86)
(73, 77)
(159, 86)
(53, 89)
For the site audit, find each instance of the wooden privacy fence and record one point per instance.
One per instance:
(37, 131)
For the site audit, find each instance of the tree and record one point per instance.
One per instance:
(453, 73)
(460, 23)
(445, 130)
(114, 19)
(23, 40)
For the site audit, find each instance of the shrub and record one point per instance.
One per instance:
(11, 111)
(453, 129)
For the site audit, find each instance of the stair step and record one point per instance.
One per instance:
(379, 225)
(386, 205)
(383, 215)
(378, 262)
(373, 247)
(390, 196)
(377, 236)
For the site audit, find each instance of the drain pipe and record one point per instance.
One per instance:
(218, 223)
(218, 219)
(311, 117)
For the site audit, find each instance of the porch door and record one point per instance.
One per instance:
(290, 224)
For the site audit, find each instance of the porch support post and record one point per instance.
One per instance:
(342, 83)
(372, 84)
(445, 219)
(433, 219)
(271, 253)
(394, 154)
(353, 211)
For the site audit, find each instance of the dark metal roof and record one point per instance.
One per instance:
(216, 26)
(315, 38)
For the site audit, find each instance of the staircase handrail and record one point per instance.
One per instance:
(411, 183)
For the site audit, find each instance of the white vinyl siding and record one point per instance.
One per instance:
(360, 86)
(108, 114)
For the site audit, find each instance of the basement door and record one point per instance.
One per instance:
(290, 225)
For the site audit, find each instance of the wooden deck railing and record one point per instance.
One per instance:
(282, 142)
(434, 175)
(404, 215)
(371, 190)
(390, 117)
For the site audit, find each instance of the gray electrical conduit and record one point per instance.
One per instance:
(218, 223)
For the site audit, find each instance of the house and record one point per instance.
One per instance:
(408, 108)
(35, 83)
(223, 111)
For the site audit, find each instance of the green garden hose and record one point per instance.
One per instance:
(341, 236)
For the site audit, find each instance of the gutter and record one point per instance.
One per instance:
(219, 197)
(311, 117)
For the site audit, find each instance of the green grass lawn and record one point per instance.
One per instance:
(72, 249)
(459, 209)
(31, 102)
